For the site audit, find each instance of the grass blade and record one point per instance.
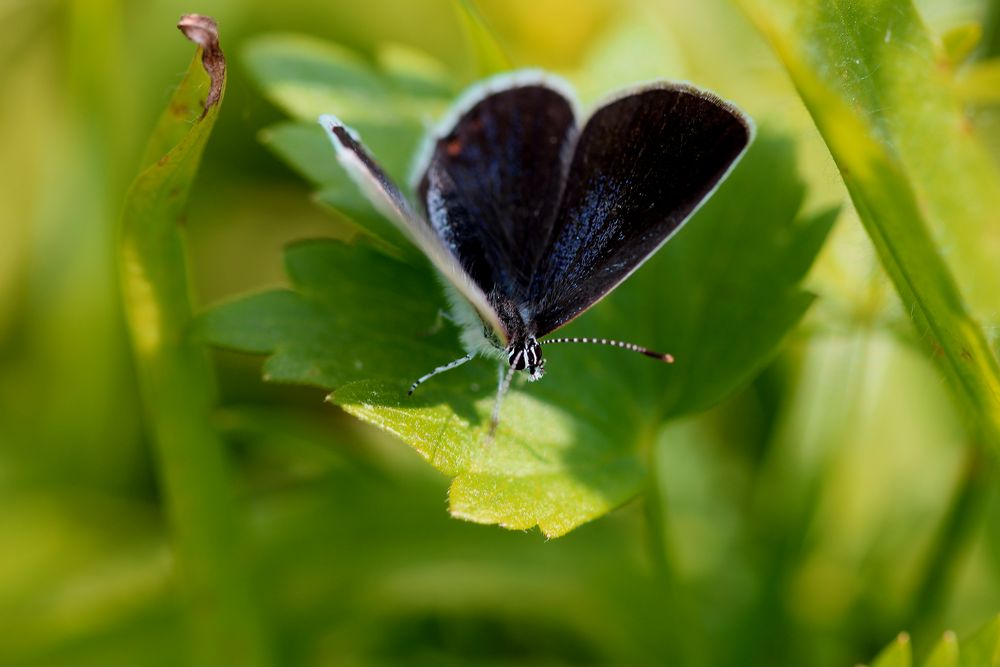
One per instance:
(890, 181)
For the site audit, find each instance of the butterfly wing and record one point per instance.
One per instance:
(386, 196)
(490, 178)
(642, 165)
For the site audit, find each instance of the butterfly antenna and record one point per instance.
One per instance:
(631, 347)
(502, 390)
(440, 369)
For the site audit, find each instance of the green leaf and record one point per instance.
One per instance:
(897, 654)
(414, 72)
(387, 105)
(175, 375)
(983, 648)
(308, 77)
(979, 83)
(306, 149)
(488, 56)
(944, 653)
(960, 42)
(917, 176)
(355, 314)
(631, 50)
(570, 448)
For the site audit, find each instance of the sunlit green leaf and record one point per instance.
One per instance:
(944, 653)
(897, 654)
(569, 448)
(979, 83)
(959, 42)
(983, 648)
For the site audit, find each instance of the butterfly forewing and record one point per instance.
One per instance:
(493, 181)
(387, 197)
(642, 164)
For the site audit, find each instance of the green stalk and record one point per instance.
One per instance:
(680, 623)
(951, 543)
(895, 217)
(175, 376)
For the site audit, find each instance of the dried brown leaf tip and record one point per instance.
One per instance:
(204, 31)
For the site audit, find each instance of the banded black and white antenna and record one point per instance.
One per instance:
(631, 347)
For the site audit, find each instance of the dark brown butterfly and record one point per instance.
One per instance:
(533, 217)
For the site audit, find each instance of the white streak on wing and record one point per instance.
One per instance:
(395, 207)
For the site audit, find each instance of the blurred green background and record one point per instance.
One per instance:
(830, 504)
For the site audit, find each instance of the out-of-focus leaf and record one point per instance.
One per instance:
(979, 83)
(944, 653)
(918, 178)
(959, 42)
(555, 34)
(308, 77)
(487, 55)
(568, 449)
(306, 149)
(414, 72)
(983, 648)
(632, 50)
(175, 375)
(897, 654)
(387, 106)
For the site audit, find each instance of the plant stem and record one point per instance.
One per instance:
(175, 375)
(893, 207)
(679, 622)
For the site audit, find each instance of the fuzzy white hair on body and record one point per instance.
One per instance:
(474, 340)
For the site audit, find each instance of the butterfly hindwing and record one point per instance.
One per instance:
(386, 196)
(642, 164)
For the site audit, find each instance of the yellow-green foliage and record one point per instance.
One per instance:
(813, 477)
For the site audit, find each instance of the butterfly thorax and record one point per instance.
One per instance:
(523, 351)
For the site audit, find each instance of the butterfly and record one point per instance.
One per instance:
(531, 216)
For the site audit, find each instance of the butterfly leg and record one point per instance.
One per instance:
(440, 369)
(502, 389)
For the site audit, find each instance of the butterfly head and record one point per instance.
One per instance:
(526, 355)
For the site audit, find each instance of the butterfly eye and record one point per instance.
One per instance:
(533, 353)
